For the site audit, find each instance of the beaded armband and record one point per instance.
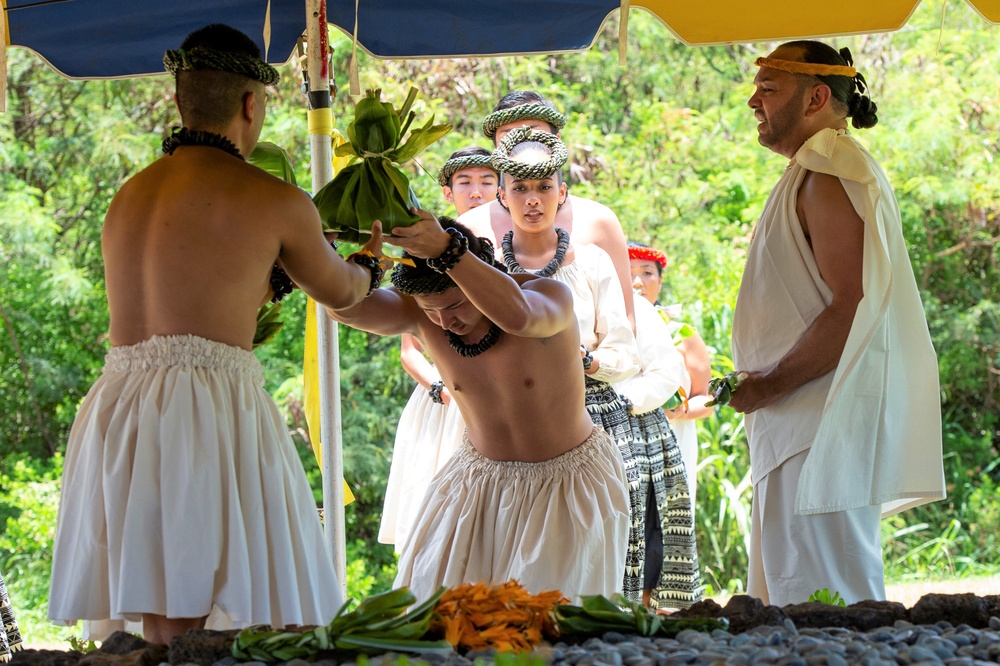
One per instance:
(457, 246)
(373, 265)
(588, 358)
(435, 391)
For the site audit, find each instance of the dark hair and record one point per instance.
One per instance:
(522, 97)
(526, 147)
(849, 93)
(210, 98)
(421, 279)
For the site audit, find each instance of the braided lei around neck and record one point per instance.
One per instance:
(472, 350)
(182, 136)
(550, 269)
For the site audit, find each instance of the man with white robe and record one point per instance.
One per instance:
(841, 397)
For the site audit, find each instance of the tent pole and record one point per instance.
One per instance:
(328, 352)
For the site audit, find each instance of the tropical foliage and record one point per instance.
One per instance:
(667, 142)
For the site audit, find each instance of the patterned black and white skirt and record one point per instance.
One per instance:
(609, 412)
(10, 635)
(670, 555)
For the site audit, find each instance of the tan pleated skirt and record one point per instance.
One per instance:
(183, 496)
(561, 524)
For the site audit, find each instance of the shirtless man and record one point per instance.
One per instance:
(586, 221)
(536, 492)
(429, 428)
(182, 494)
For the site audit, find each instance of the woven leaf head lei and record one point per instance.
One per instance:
(234, 62)
(456, 164)
(534, 111)
(525, 170)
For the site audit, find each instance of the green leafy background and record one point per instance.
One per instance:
(667, 142)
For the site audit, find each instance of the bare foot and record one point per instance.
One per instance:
(160, 629)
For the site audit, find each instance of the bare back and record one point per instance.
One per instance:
(517, 399)
(189, 243)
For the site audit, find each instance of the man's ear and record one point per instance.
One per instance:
(448, 195)
(249, 105)
(819, 98)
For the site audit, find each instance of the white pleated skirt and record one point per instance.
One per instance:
(561, 524)
(426, 437)
(183, 496)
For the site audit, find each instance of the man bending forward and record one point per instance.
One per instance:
(536, 492)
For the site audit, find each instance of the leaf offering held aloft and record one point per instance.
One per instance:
(722, 388)
(373, 187)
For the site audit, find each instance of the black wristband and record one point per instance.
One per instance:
(435, 391)
(281, 284)
(457, 246)
(373, 265)
(588, 358)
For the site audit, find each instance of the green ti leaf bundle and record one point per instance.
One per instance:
(373, 187)
(379, 624)
(722, 388)
(598, 615)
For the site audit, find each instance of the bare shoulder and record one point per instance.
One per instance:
(593, 212)
(478, 220)
(821, 190)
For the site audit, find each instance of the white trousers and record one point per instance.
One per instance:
(792, 556)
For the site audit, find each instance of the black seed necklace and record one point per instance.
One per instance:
(186, 137)
(469, 351)
(507, 244)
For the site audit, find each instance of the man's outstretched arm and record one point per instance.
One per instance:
(538, 308)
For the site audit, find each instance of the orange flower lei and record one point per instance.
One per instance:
(647, 254)
(476, 616)
(814, 69)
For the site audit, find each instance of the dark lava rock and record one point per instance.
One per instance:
(955, 608)
(745, 613)
(201, 646)
(151, 655)
(122, 642)
(862, 616)
(705, 608)
(993, 604)
(46, 658)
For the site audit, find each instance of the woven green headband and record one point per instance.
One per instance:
(456, 164)
(523, 170)
(524, 112)
(202, 57)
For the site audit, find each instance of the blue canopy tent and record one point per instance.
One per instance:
(91, 39)
(119, 38)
